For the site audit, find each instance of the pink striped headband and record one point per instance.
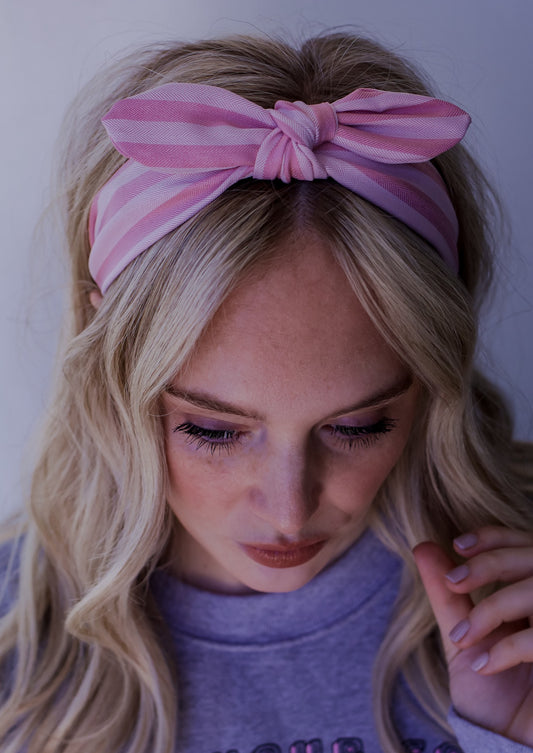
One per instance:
(187, 143)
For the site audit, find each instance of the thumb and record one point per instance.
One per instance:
(449, 608)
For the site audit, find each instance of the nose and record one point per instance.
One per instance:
(288, 492)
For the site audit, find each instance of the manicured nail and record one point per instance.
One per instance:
(480, 662)
(458, 574)
(459, 631)
(466, 541)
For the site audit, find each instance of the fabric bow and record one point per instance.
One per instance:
(187, 143)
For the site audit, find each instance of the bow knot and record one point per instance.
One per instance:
(188, 143)
(288, 150)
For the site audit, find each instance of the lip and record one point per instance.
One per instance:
(279, 556)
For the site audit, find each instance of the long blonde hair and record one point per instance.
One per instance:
(90, 673)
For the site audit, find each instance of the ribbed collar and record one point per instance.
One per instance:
(261, 618)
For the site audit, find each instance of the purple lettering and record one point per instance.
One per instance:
(313, 746)
(348, 745)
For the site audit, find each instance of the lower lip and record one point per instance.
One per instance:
(279, 558)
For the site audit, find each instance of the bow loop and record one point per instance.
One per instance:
(397, 127)
(187, 143)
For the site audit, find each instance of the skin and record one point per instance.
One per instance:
(297, 347)
(491, 665)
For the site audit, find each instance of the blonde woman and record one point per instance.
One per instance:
(267, 398)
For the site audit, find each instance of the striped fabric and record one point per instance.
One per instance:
(187, 143)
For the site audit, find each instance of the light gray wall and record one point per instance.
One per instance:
(479, 52)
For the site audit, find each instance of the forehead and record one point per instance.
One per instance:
(295, 333)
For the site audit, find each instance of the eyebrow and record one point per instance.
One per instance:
(209, 402)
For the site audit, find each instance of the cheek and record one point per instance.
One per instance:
(200, 490)
(352, 486)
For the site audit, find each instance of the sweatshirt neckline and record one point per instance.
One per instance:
(334, 593)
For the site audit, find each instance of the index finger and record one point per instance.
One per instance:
(491, 537)
(449, 608)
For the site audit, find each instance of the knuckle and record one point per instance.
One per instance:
(489, 534)
(486, 613)
(487, 567)
(512, 644)
(506, 652)
(490, 561)
(506, 570)
(495, 536)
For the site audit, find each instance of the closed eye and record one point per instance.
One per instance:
(347, 436)
(352, 436)
(213, 439)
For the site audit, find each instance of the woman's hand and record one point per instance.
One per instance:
(489, 646)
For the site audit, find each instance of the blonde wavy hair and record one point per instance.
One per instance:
(90, 673)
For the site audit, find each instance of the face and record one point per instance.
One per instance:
(279, 434)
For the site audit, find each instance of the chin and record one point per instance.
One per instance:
(282, 580)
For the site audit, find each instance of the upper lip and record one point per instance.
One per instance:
(289, 547)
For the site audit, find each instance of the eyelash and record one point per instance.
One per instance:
(363, 436)
(226, 439)
(211, 439)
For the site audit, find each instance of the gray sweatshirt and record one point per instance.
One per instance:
(291, 672)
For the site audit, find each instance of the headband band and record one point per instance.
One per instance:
(187, 143)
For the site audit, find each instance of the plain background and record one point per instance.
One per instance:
(478, 52)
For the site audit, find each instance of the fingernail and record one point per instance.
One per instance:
(480, 662)
(458, 574)
(459, 631)
(466, 541)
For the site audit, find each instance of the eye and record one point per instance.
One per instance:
(211, 439)
(361, 436)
